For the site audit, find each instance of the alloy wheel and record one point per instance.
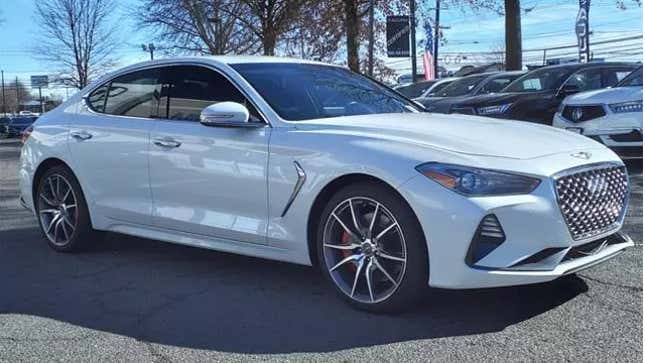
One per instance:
(57, 209)
(364, 250)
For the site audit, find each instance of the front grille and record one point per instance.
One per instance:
(593, 200)
(582, 113)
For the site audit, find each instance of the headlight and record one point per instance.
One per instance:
(492, 110)
(474, 182)
(635, 106)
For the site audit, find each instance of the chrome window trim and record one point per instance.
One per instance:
(144, 67)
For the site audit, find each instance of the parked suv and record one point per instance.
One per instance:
(537, 95)
(17, 125)
(611, 116)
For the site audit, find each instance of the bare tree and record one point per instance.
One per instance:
(271, 19)
(202, 26)
(318, 34)
(77, 35)
(16, 93)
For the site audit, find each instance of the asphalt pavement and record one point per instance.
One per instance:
(131, 299)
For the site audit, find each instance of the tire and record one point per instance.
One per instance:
(72, 230)
(405, 270)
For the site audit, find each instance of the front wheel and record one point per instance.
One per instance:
(372, 249)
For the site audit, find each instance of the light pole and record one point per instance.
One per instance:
(149, 48)
(4, 103)
(413, 39)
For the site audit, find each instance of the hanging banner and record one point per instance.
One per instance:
(582, 31)
(397, 34)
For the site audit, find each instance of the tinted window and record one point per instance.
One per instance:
(193, 88)
(461, 87)
(415, 90)
(96, 100)
(634, 79)
(136, 94)
(540, 80)
(615, 75)
(309, 91)
(497, 84)
(437, 88)
(586, 80)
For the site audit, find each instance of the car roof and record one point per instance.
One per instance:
(589, 65)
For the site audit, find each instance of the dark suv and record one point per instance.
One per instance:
(17, 125)
(536, 95)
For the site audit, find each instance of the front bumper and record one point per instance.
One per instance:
(532, 224)
(623, 133)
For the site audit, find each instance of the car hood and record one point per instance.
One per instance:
(457, 133)
(607, 96)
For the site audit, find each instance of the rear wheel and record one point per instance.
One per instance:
(372, 249)
(62, 211)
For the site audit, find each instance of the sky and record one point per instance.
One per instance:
(545, 23)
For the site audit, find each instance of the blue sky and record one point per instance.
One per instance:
(547, 23)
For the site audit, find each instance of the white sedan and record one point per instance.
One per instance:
(313, 164)
(612, 116)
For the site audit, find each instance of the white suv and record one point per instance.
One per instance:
(612, 116)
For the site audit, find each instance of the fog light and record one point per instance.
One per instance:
(488, 237)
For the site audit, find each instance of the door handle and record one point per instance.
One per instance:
(166, 142)
(81, 135)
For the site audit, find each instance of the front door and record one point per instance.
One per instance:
(205, 180)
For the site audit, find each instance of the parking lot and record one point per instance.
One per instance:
(140, 300)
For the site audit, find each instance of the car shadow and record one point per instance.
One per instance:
(195, 298)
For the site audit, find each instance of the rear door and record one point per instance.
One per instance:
(207, 180)
(109, 140)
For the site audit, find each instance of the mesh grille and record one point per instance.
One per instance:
(593, 201)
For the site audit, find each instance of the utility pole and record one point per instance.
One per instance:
(149, 48)
(413, 39)
(370, 47)
(4, 102)
(436, 39)
(17, 96)
(40, 99)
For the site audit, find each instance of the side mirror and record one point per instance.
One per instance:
(226, 114)
(568, 89)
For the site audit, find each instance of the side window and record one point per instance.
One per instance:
(586, 80)
(495, 85)
(137, 94)
(616, 75)
(96, 99)
(193, 88)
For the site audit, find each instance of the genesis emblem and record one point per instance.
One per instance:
(582, 155)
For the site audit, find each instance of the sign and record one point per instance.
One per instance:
(582, 31)
(397, 34)
(39, 81)
(428, 56)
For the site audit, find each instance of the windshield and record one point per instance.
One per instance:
(416, 89)
(540, 80)
(309, 91)
(460, 87)
(634, 79)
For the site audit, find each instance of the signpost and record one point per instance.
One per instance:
(582, 31)
(40, 82)
(397, 33)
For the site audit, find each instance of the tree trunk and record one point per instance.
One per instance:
(513, 35)
(352, 24)
(268, 43)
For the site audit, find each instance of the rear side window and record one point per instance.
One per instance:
(615, 75)
(97, 99)
(193, 88)
(586, 80)
(136, 94)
